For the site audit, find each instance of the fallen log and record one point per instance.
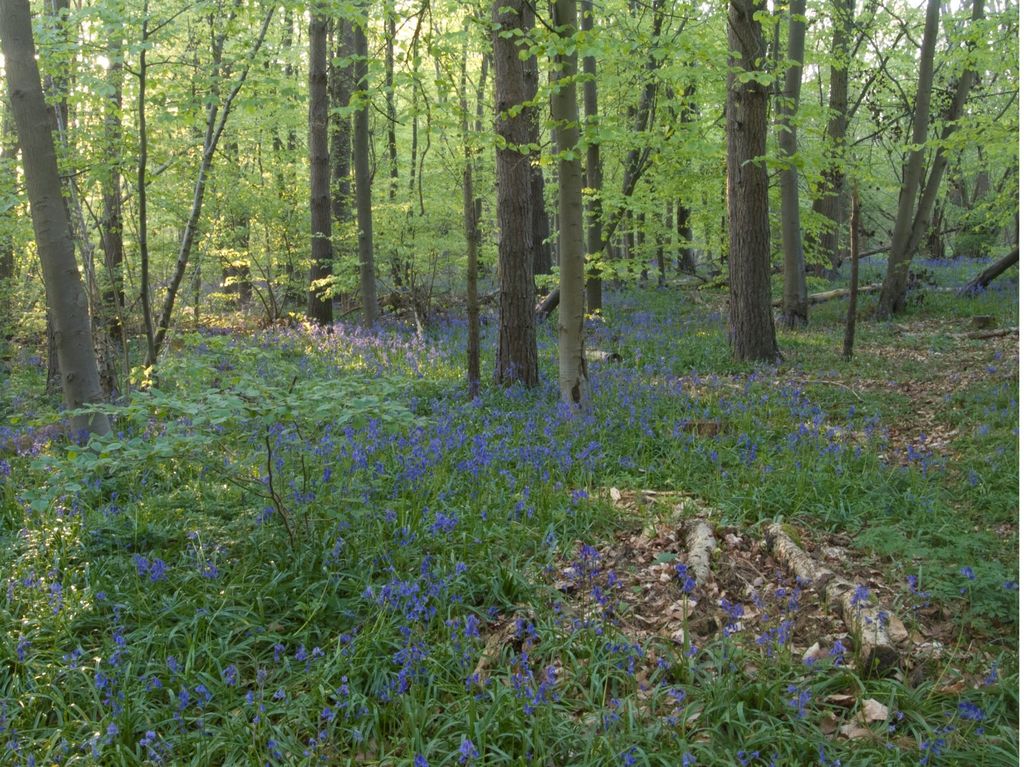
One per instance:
(876, 654)
(829, 295)
(981, 335)
(983, 278)
(700, 541)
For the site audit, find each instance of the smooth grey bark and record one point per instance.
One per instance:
(595, 234)
(320, 305)
(65, 295)
(516, 359)
(828, 201)
(894, 287)
(361, 160)
(216, 119)
(794, 295)
(751, 329)
(982, 280)
(572, 364)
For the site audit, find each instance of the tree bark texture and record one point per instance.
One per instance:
(894, 287)
(361, 160)
(112, 223)
(572, 364)
(794, 295)
(472, 233)
(517, 339)
(540, 225)
(389, 98)
(65, 295)
(319, 308)
(751, 329)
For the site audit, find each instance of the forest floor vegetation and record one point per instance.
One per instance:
(310, 548)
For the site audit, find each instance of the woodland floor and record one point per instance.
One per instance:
(310, 548)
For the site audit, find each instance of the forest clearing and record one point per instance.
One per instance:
(426, 383)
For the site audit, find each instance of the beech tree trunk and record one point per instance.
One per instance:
(389, 98)
(751, 329)
(361, 160)
(572, 364)
(894, 287)
(517, 339)
(65, 295)
(794, 296)
(829, 199)
(8, 178)
(595, 234)
(319, 308)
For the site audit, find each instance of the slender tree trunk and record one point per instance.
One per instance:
(595, 234)
(389, 98)
(112, 223)
(340, 93)
(320, 308)
(751, 330)
(828, 202)
(851, 311)
(541, 227)
(982, 280)
(143, 210)
(472, 233)
(517, 341)
(572, 364)
(361, 157)
(65, 296)
(894, 287)
(8, 176)
(216, 119)
(794, 296)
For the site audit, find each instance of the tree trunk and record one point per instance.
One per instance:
(112, 223)
(65, 296)
(828, 203)
(894, 287)
(572, 364)
(751, 329)
(389, 98)
(361, 158)
(540, 226)
(319, 308)
(517, 341)
(595, 235)
(982, 280)
(794, 296)
(340, 92)
(851, 310)
(472, 232)
(8, 180)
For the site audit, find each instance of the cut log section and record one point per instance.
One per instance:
(876, 655)
(700, 542)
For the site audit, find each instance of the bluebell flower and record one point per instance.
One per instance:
(467, 752)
